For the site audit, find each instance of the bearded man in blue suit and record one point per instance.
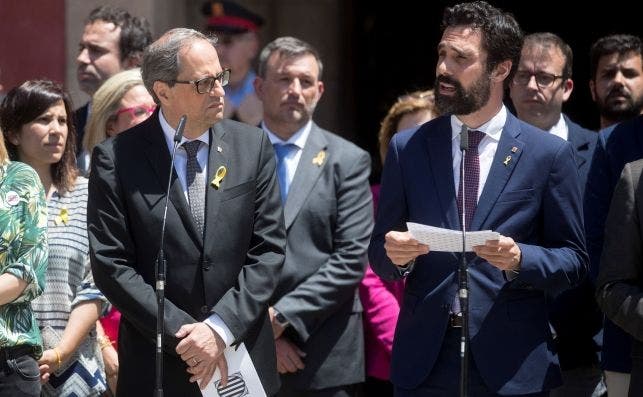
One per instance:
(525, 186)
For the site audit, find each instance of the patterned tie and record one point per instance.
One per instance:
(471, 179)
(195, 183)
(282, 151)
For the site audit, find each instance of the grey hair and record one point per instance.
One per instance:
(288, 47)
(161, 61)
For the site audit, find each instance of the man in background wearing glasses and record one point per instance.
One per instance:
(224, 240)
(542, 83)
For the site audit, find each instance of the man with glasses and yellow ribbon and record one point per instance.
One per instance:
(224, 239)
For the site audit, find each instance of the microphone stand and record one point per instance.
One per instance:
(463, 277)
(160, 270)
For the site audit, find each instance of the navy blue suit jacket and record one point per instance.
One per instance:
(617, 145)
(574, 314)
(535, 199)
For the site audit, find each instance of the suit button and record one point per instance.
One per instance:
(206, 265)
(204, 309)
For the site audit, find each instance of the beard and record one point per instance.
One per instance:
(618, 112)
(463, 101)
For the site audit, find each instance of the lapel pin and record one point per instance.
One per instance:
(318, 160)
(219, 149)
(507, 160)
(218, 177)
(514, 149)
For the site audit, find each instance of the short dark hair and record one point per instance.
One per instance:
(22, 105)
(135, 31)
(501, 34)
(289, 47)
(548, 38)
(613, 44)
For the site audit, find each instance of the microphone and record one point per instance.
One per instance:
(464, 137)
(160, 268)
(179, 131)
(463, 277)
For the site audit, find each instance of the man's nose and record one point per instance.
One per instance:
(83, 56)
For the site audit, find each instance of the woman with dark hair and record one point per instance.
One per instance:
(23, 262)
(38, 130)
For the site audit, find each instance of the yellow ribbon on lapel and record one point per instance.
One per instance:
(218, 177)
(63, 217)
(318, 160)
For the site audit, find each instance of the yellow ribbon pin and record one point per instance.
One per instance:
(318, 160)
(218, 177)
(507, 160)
(63, 217)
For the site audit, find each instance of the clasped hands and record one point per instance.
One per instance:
(504, 253)
(202, 350)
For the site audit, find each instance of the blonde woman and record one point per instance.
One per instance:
(119, 104)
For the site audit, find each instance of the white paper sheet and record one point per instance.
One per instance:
(242, 377)
(447, 240)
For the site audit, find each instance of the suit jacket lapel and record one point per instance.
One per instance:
(216, 159)
(439, 145)
(502, 166)
(160, 158)
(579, 143)
(306, 175)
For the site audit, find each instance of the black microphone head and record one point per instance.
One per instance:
(464, 137)
(179, 128)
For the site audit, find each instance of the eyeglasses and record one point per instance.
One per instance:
(205, 85)
(137, 111)
(543, 79)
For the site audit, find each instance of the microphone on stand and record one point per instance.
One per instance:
(160, 269)
(463, 275)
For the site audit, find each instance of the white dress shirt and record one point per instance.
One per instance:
(298, 139)
(180, 164)
(486, 149)
(560, 128)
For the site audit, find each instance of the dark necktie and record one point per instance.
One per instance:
(195, 183)
(282, 151)
(471, 179)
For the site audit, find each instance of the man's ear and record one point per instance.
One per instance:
(162, 91)
(568, 87)
(501, 71)
(258, 84)
(592, 89)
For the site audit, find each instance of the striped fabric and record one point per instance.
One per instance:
(69, 282)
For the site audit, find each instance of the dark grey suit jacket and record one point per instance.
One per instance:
(231, 270)
(329, 218)
(620, 277)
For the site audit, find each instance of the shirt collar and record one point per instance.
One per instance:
(169, 132)
(560, 127)
(492, 128)
(298, 139)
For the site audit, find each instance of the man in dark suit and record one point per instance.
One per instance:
(520, 182)
(315, 311)
(542, 83)
(616, 69)
(620, 277)
(224, 241)
(112, 41)
(617, 145)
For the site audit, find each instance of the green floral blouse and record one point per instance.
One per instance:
(23, 250)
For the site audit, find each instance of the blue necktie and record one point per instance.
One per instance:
(283, 151)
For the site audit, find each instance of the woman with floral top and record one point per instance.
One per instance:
(23, 262)
(36, 120)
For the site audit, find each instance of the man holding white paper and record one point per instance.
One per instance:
(519, 182)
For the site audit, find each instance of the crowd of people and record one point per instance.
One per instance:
(275, 241)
